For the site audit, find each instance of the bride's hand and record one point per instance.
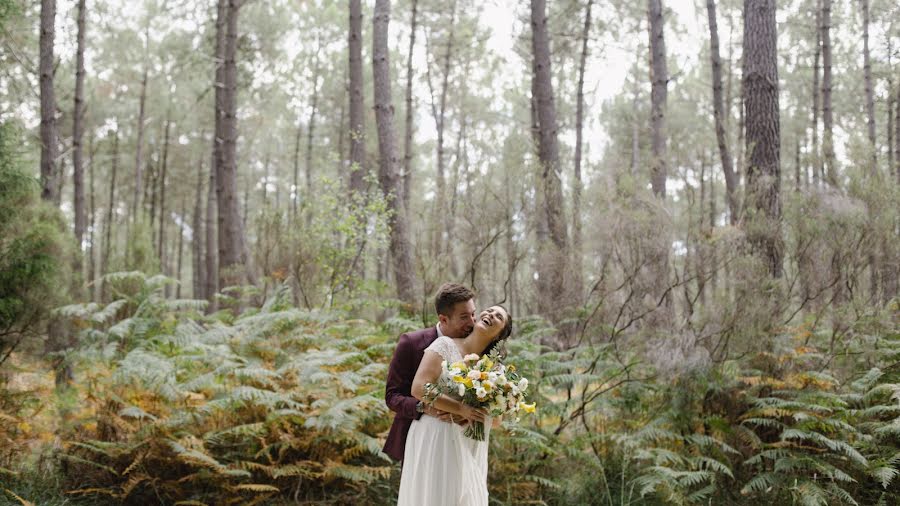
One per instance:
(473, 414)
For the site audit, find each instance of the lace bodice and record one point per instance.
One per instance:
(446, 348)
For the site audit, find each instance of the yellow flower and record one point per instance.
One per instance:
(528, 408)
(510, 368)
(487, 363)
(484, 375)
(459, 365)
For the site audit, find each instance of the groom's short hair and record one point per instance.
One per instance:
(448, 295)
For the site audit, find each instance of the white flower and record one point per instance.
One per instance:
(455, 372)
(501, 380)
(523, 384)
(480, 393)
(474, 374)
(471, 357)
(461, 388)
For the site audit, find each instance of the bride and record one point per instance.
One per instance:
(441, 466)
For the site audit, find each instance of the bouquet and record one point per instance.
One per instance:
(482, 382)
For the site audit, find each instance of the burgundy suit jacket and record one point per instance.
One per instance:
(407, 356)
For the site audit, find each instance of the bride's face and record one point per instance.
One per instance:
(491, 320)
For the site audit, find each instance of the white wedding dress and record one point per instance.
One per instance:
(441, 466)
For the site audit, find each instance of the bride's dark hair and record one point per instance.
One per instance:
(500, 340)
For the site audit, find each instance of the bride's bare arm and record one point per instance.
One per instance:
(429, 371)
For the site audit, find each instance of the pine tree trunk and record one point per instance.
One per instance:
(763, 131)
(49, 147)
(234, 268)
(295, 194)
(138, 151)
(635, 122)
(818, 170)
(161, 242)
(78, 129)
(440, 207)
(870, 100)
(831, 174)
(388, 165)
(357, 104)
(577, 185)
(311, 127)
(181, 220)
(107, 243)
(659, 76)
(719, 113)
(198, 270)
(551, 281)
(92, 259)
(211, 244)
(408, 137)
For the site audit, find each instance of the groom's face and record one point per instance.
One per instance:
(460, 321)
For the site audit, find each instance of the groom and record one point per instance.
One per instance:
(455, 307)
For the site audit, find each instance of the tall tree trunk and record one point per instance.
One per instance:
(818, 170)
(161, 242)
(388, 165)
(439, 112)
(357, 105)
(49, 147)
(211, 244)
(92, 259)
(408, 137)
(897, 136)
(107, 243)
(295, 194)
(138, 150)
(181, 221)
(635, 121)
(78, 129)
(234, 265)
(198, 270)
(577, 254)
(311, 125)
(552, 282)
(659, 76)
(870, 100)
(719, 113)
(831, 174)
(763, 131)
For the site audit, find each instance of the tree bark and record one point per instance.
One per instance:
(719, 113)
(295, 194)
(818, 170)
(211, 244)
(408, 137)
(554, 256)
(577, 254)
(311, 125)
(357, 104)
(388, 165)
(635, 122)
(763, 129)
(181, 220)
(78, 130)
(107, 243)
(440, 207)
(138, 151)
(659, 76)
(160, 244)
(92, 259)
(827, 113)
(234, 268)
(49, 147)
(870, 100)
(198, 270)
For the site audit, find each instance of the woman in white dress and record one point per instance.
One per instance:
(441, 466)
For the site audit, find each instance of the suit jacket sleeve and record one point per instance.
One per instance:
(400, 378)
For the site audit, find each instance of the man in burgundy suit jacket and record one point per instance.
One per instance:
(455, 307)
